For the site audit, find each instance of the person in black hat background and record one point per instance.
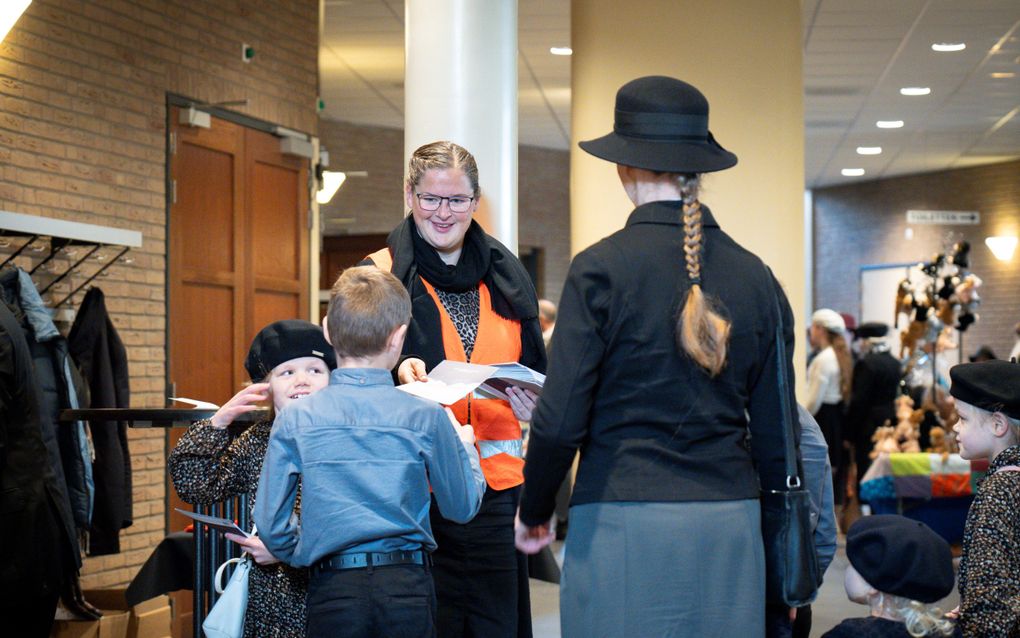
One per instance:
(899, 568)
(665, 341)
(287, 360)
(876, 383)
(987, 398)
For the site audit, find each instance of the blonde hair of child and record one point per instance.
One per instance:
(919, 619)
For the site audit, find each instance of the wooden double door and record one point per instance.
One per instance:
(237, 260)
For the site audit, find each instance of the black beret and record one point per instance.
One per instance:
(902, 557)
(285, 340)
(872, 329)
(989, 385)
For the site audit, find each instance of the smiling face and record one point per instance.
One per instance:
(297, 378)
(443, 229)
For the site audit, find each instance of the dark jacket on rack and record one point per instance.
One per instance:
(53, 376)
(36, 550)
(101, 356)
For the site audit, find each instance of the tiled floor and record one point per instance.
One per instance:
(831, 606)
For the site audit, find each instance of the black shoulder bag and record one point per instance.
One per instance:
(792, 576)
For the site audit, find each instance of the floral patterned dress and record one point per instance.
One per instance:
(209, 465)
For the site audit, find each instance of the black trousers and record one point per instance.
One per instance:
(394, 601)
(481, 579)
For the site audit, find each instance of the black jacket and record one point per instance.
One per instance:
(36, 554)
(101, 356)
(876, 382)
(651, 425)
(65, 444)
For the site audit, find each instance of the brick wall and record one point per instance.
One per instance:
(83, 89)
(375, 204)
(865, 224)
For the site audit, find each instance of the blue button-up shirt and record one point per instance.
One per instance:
(366, 454)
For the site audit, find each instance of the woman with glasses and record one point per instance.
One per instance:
(472, 300)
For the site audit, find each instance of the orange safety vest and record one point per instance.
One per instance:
(497, 430)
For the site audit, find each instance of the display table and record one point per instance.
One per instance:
(935, 489)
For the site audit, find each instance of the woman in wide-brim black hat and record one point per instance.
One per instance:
(665, 345)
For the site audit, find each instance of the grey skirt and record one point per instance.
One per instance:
(660, 570)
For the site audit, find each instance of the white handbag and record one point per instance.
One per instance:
(226, 618)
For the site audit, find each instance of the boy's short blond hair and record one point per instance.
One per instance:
(366, 305)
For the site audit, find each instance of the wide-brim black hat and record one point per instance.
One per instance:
(661, 124)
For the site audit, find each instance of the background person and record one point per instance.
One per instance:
(288, 360)
(472, 300)
(654, 385)
(829, 379)
(546, 319)
(875, 386)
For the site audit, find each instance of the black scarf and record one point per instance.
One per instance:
(471, 268)
(482, 259)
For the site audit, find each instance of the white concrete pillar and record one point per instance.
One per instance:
(461, 85)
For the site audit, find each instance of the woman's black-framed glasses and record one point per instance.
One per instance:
(457, 203)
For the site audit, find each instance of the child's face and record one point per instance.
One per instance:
(297, 378)
(857, 589)
(974, 432)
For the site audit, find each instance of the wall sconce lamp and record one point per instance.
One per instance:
(331, 182)
(1002, 246)
(10, 11)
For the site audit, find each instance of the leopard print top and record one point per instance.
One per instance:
(463, 308)
(209, 465)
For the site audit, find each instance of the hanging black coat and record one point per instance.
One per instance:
(36, 553)
(102, 359)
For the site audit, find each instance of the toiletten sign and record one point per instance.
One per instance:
(946, 217)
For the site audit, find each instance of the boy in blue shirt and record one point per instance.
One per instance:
(361, 456)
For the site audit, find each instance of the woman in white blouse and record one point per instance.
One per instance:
(828, 390)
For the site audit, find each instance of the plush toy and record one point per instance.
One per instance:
(907, 432)
(939, 442)
(911, 338)
(885, 441)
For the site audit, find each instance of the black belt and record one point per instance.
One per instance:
(373, 559)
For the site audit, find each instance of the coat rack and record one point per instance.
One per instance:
(61, 234)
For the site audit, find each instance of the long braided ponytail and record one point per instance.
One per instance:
(701, 331)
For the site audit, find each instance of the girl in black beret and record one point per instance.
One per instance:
(987, 398)
(899, 568)
(287, 360)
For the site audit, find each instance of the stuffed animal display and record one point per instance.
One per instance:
(948, 298)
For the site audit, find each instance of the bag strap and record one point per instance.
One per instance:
(789, 452)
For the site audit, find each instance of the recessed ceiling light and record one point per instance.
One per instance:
(560, 50)
(1001, 75)
(869, 150)
(948, 46)
(889, 124)
(915, 90)
(852, 172)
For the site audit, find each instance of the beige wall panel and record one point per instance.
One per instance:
(746, 57)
